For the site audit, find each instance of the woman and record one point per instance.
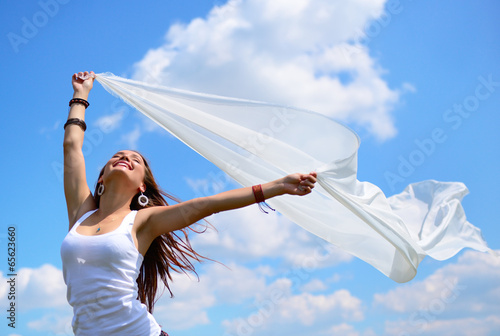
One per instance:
(122, 238)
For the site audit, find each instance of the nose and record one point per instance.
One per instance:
(124, 157)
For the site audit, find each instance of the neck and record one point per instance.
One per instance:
(115, 200)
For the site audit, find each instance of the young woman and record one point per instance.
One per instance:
(124, 237)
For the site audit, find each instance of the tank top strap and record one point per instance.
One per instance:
(128, 221)
(81, 219)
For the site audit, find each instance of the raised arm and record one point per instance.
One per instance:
(78, 195)
(159, 220)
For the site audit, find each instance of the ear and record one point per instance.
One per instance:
(100, 179)
(142, 188)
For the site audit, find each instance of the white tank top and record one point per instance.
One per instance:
(100, 273)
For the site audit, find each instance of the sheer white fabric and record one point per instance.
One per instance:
(255, 142)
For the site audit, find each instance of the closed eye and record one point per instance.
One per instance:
(136, 158)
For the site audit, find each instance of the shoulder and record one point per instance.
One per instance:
(143, 216)
(144, 228)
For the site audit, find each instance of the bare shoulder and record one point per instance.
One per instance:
(144, 215)
(143, 230)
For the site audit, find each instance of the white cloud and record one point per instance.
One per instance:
(132, 138)
(470, 285)
(41, 287)
(206, 187)
(248, 234)
(315, 285)
(461, 298)
(53, 322)
(304, 53)
(47, 131)
(308, 308)
(109, 123)
(280, 312)
(343, 329)
(271, 304)
(218, 285)
(483, 326)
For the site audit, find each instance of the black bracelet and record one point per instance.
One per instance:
(76, 121)
(79, 101)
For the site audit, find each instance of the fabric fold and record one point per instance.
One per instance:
(255, 142)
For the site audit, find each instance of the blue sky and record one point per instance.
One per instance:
(421, 60)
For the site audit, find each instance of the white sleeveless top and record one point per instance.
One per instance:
(100, 272)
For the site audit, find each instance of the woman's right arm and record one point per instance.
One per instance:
(78, 195)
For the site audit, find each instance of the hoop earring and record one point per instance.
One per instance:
(143, 200)
(100, 190)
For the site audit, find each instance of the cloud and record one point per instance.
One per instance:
(248, 234)
(303, 53)
(279, 311)
(271, 302)
(484, 326)
(308, 308)
(345, 329)
(109, 123)
(206, 187)
(47, 131)
(471, 285)
(41, 287)
(461, 298)
(132, 138)
(53, 322)
(314, 285)
(218, 285)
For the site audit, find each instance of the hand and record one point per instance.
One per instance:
(299, 184)
(83, 82)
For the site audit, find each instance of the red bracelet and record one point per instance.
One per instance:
(257, 192)
(259, 197)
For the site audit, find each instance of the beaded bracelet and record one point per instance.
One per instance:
(79, 101)
(76, 121)
(259, 198)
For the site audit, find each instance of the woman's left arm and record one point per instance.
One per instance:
(160, 220)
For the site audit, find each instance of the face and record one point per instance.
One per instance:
(127, 164)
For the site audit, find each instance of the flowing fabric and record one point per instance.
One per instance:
(255, 142)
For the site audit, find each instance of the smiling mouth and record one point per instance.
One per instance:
(123, 163)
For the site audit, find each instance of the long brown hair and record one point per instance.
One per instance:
(171, 251)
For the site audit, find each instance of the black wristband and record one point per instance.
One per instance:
(76, 121)
(79, 101)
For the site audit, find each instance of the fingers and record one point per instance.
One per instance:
(307, 182)
(309, 179)
(84, 75)
(304, 189)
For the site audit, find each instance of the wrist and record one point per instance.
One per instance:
(273, 189)
(81, 94)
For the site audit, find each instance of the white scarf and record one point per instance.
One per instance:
(255, 142)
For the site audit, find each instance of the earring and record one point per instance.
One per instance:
(100, 190)
(143, 200)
